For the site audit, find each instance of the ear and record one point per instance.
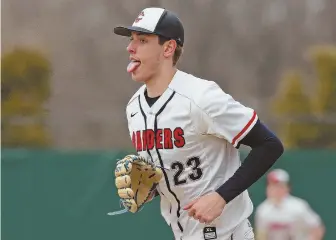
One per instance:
(169, 48)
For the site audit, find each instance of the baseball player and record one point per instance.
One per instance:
(193, 129)
(282, 216)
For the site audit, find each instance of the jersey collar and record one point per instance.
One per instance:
(157, 105)
(176, 83)
(164, 97)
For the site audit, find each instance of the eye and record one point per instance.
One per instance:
(143, 41)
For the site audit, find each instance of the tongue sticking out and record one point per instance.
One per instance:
(132, 66)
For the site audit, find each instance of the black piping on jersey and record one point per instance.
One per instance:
(161, 162)
(145, 119)
(159, 156)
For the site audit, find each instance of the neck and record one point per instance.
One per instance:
(158, 84)
(279, 199)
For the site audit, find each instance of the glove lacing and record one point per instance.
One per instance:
(125, 210)
(122, 211)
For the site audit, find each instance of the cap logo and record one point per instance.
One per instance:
(140, 17)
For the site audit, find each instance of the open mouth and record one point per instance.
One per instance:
(133, 65)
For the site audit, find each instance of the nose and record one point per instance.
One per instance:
(131, 48)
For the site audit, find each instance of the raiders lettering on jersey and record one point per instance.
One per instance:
(161, 139)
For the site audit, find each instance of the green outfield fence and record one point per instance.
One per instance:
(59, 195)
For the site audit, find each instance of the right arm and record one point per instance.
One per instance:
(260, 226)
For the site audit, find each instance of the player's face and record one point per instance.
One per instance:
(146, 56)
(277, 190)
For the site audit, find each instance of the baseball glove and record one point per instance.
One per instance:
(136, 181)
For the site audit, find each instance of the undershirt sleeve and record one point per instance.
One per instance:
(266, 149)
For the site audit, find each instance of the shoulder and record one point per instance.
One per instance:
(263, 209)
(303, 209)
(262, 206)
(196, 89)
(297, 203)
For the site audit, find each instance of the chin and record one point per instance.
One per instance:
(137, 78)
(140, 78)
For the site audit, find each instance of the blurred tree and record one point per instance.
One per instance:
(25, 87)
(324, 59)
(293, 107)
(310, 122)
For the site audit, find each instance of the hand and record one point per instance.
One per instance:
(206, 208)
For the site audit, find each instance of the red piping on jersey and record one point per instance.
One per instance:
(245, 128)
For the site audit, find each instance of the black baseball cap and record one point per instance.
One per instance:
(158, 21)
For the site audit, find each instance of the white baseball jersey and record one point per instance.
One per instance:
(192, 131)
(290, 220)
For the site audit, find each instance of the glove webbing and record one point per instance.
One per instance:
(125, 210)
(122, 211)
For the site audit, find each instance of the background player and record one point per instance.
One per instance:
(193, 129)
(282, 216)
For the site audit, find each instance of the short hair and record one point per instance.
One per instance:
(178, 51)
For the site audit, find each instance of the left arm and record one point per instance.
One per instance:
(317, 233)
(314, 222)
(266, 149)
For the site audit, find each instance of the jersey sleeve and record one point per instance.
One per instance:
(225, 117)
(310, 217)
